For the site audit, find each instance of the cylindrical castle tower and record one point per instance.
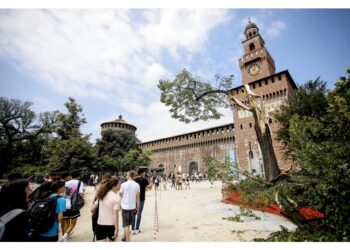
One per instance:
(118, 125)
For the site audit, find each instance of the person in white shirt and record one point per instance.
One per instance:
(108, 212)
(130, 203)
(70, 217)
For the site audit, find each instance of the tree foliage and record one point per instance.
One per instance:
(217, 170)
(70, 123)
(74, 153)
(70, 150)
(316, 128)
(117, 150)
(116, 143)
(22, 133)
(182, 94)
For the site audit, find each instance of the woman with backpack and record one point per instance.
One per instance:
(51, 235)
(108, 202)
(14, 195)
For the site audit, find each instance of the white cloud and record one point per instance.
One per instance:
(97, 52)
(275, 28)
(133, 108)
(115, 55)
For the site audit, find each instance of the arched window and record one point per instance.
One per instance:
(251, 46)
(250, 34)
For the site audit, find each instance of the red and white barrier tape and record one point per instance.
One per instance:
(155, 222)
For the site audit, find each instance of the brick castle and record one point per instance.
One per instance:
(236, 140)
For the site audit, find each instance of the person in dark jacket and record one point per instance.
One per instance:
(14, 195)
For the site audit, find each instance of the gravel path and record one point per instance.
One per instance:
(194, 215)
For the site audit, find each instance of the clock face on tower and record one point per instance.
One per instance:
(254, 69)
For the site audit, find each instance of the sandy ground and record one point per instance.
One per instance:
(194, 215)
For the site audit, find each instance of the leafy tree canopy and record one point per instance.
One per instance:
(71, 150)
(182, 95)
(116, 143)
(316, 128)
(70, 121)
(22, 132)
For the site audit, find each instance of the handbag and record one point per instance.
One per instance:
(77, 201)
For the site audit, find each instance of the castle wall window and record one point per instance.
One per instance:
(241, 126)
(273, 79)
(251, 46)
(279, 78)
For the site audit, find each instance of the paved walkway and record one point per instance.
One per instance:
(194, 215)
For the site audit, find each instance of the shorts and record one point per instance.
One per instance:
(70, 214)
(105, 231)
(128, 216)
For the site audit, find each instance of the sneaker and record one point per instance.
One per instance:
(65, 238)
(138, 231)
(133, 232)
(123, 239)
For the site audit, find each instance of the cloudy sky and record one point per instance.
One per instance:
(110, 60)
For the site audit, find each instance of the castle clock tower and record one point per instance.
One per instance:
(274, 88)
(256, 62)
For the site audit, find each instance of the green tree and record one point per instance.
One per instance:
(71, 122)
(191, 99)
(316, 128)
(217, 170)
(74, 153)
(116, 143)
(135, 158)
(22, 133)
(118, 150)
(309, 101)
(70, 150)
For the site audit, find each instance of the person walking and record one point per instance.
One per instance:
(130, 203)
(172, 180)
(108, 202)
(57, 188)
(14, 195)
(144, 185)
(70, 217)
(105, 179)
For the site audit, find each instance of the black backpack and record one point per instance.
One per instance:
(42, 215)
(76, 200)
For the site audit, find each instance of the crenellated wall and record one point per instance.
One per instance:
(185, 152)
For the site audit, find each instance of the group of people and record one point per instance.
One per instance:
(113, 198)
(17, 194)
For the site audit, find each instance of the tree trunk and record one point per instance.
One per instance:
(271, 168)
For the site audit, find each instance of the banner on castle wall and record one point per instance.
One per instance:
(232, 160)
